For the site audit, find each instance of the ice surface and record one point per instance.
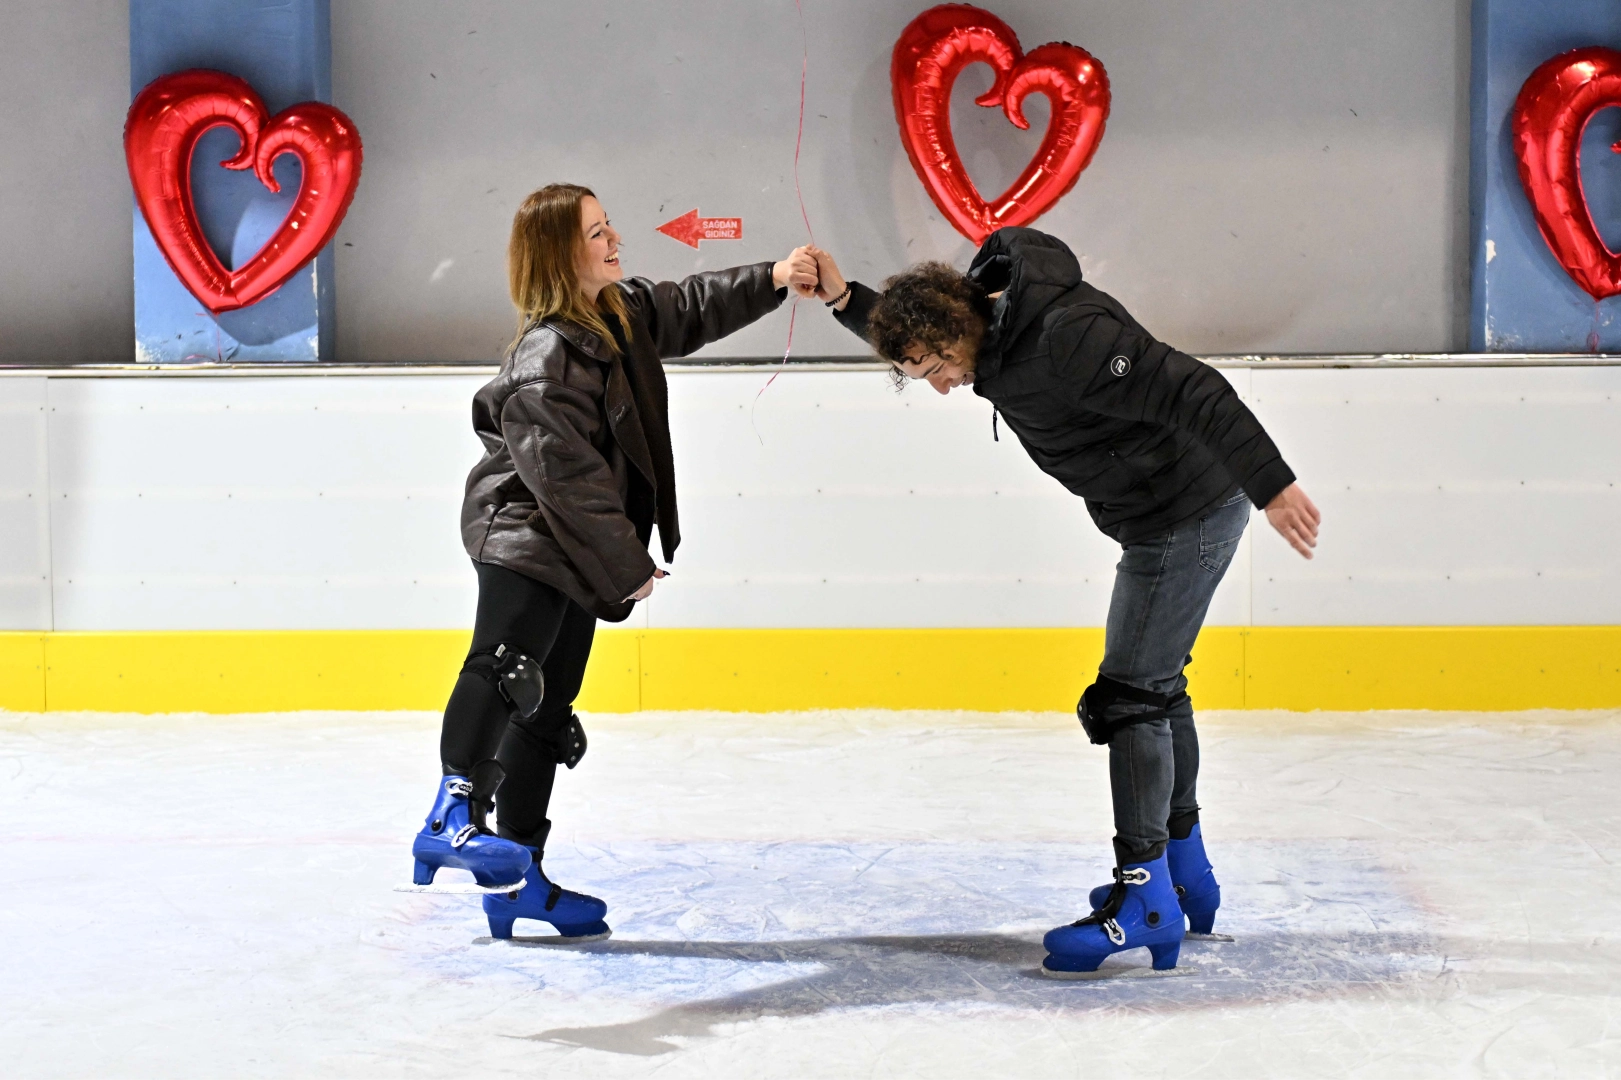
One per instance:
(808, 895)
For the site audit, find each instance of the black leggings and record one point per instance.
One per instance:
(537, 620)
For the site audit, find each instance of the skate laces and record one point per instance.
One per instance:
(1104, 917)
(458, 788)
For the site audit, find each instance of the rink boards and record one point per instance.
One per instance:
(229, 543)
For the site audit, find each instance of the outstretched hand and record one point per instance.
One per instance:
(830, 283)
(1296, 518)
(797, 272)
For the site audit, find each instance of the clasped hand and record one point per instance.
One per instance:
(797, 272)
(810, 271)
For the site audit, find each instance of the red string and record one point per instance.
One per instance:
(804, 63)
(799, 140)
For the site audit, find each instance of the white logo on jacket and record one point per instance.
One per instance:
(1120, 365)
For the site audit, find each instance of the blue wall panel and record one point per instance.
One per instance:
(1522, 299)
(284, 51)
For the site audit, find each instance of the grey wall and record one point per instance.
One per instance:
(1276, 176)
(65, 228)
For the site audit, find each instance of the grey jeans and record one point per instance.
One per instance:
(1162, 589)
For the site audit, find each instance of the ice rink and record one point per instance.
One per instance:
(820, 894)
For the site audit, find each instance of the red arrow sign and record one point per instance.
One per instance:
(689, 228)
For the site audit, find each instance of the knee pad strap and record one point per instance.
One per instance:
(1106, 692)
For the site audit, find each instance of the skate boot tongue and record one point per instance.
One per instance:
(485, 777)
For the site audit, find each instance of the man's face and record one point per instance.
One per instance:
(944, 368)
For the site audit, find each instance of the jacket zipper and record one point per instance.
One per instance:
(994, 436)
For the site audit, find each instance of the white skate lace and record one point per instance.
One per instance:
(458, 787)
(463, 834)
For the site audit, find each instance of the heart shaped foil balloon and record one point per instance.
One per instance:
(165, 122)
(929, 55)
(1552, 111)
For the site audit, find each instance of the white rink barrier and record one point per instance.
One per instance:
(1451, 496)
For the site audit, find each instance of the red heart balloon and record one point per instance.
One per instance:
(160, 135)
(1552, 111)
(932, 51)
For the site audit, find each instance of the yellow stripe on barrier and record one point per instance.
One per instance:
(22, 672)
(1299, 668)
(232, 671)
(1486, 668)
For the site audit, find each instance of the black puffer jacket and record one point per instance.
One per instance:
(1150, 437)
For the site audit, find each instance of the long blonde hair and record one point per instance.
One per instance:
(543, 259)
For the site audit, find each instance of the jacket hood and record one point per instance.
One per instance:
(1032, 271)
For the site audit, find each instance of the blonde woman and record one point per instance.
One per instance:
(577, 470)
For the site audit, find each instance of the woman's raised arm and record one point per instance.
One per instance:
(684, 316)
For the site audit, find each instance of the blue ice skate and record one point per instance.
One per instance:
(1195, 882)
(576, 917)
(1140, 912)
(454, 835)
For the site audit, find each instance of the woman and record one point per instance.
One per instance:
(577, 470)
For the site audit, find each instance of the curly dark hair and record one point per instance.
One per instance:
(931, 304)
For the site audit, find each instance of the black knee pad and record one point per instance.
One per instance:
(571, 744)
(565, 743)
(517, 677)
(1101, 695)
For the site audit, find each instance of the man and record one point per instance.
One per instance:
(1168, 460)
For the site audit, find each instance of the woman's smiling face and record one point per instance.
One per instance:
(599, 258)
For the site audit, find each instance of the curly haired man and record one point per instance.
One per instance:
(1169, 461)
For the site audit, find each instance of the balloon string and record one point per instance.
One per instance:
(799, 141)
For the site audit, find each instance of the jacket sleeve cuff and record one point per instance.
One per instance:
(1263, 485)
(768, 286)
(641, 577)
(854, 316)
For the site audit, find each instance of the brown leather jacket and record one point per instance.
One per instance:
(577, 464)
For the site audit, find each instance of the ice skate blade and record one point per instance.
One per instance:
(1190, 936)
(1119, 973)
(531, 941)
(462, 888)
